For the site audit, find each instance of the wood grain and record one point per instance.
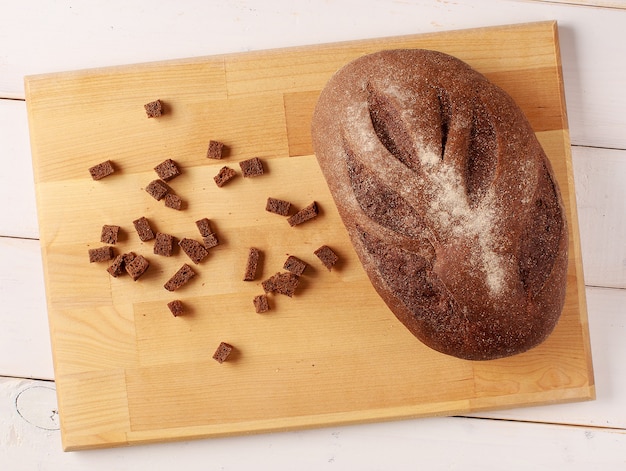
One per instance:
(429, 442)
(327, 356)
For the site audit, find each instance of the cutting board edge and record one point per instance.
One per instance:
(31, 79)
(591, 390)
(461, 408)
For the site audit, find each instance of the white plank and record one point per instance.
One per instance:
(601, 200)
(607, 327)
(17, 190)
(27, 415)
(593, 3)
(53, 35)
(24, 337)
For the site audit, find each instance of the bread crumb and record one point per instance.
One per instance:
(261, 304)
(224, 175)
(167, 170)
(109, 234)
(223, 352)
(101, 170)
(176, 307)
(154, 109)
(101, 254)
(215, 150)
(327, 256)
(277, 206)
(254, 255)
(251, 167)
(305, 214)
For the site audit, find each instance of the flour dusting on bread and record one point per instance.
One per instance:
(448, 198)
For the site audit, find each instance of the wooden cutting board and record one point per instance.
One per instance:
(128, 372)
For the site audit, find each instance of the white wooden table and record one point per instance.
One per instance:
(56, 35)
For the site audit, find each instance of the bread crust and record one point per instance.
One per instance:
(450, 202)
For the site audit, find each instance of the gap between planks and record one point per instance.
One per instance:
(615, 4)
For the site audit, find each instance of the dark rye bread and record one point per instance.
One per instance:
(261, 303)
(154, 109)
(103, 169)
(281, 283)
(224, 176)
(109, 234)
(252, 264)
(167, 170)
(180, 278)
(304, 215)
(251, 167)
(209, 238)
(449, 200)
(157, 189)
(164, 244)
(101, 254)
(117, 266)
(173, 201)
(327, 256)
(215, 149)
(137, 267)
(210, 241)
(222, 352)
(194, 249)
(144, 231)
(176, 307)
(295, 265)
(204, 227)
(277, 206)
(129, 257)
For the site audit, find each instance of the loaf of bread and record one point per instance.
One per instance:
(450, 202)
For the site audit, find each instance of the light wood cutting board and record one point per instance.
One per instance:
(128, 372)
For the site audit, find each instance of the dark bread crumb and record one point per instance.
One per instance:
(210, 241)
(209, 238)
(158, 189)
(269, 284)
(281, 283)
(101, 254)
(194, 249)
(215, 150)
(224, 175)
(304, 214)
(142, 226)
(295, 265)
(117, 266)
(223, 352)
(173, 201)
(109, 234)
(204, 227)
(327, 256)
(167, 170)
(129, 257)
(277, 206)
(137, 267)
(164, 244)
(103, 169)
(176, 307)
(252, 167)
(252, 264)
(181, 277)
(154, 109)
(261, 303)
